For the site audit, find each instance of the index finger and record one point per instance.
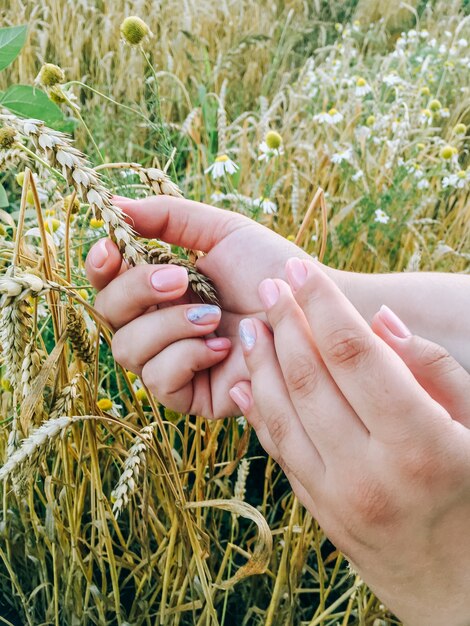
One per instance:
(373, 378)
(179, 221)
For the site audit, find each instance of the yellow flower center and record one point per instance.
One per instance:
(361, 82)
(221, 159)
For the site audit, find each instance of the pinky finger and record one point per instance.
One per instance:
(170, 374)
(242, 396)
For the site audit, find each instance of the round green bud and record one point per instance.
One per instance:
(134, 30)
(50, 75)
(435, 105)
(460, 129)
(447, 152)
(273, 140)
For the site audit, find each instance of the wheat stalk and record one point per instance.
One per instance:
(79, 335)
(58, 151)
(127, 482)
(64, 402)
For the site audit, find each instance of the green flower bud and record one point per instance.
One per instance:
(134, 30)
(273, 140)
(50, 75)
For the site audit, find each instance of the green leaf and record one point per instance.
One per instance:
(30, 102)
(12, 39)
(3, 197)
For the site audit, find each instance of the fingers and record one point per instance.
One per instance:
(295, 451)
(103, 263)
(140, 287)
(170, 374)
(369, 373)
(433, 367)
(325, 414)
(180, 221)
(141, 339)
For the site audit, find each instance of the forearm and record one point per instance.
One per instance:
(433, 305)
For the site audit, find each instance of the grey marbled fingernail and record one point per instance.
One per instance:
(247, 333)
(203, 314)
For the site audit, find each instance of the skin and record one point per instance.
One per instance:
(371, 425)
(394, 488)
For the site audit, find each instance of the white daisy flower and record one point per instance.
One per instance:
(268, 153)
(362, 87)
(268, 206)
(344, 155)
(462, 43)
(392, 79)
(381, 217)
(357, 176)
(423, 183)
(333, 116)
(221, 166)
(457, 181)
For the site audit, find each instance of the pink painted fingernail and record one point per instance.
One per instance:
(394, 323)
(240, 398)
(296, 273)
(99, 254)
(218, 344)
(247, 332)
(269, 293)
(168, 278)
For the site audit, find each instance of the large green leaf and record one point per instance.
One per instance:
(12, 39)
(30, 102)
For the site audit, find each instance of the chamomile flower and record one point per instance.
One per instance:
(271, 146)
(221, 166)
(457, 181)
(425, 117)
(381, 217)
(362, 87)
(357, 176)
(392, 79)
(331, 117)
(268, 206)
(343, 155)
(423, 183)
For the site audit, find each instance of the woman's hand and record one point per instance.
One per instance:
(169, 347)
(373, 432)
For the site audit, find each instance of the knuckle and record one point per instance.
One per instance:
(120, 350)
(302, 376)
(433, 356)
(373, 503)
(424, 467)
(345, 347)
(279, 428)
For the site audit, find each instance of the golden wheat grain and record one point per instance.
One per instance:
(79, 335)
(66, 401)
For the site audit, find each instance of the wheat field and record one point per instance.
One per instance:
(116, 510)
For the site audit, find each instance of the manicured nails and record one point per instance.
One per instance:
(169, 278)
(240, 398)
(99, 254)
(247, 333)
(218, 344)
(269, 293)
(394, 323)
(203, 314)
(296, 273)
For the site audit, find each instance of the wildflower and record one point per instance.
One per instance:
(370, 121)
(425, 117)
(132, 377)
(435, 105)
(460, 129)
(423, 183)
(457, 181)
(333, 116)
(95, 223)
(425, 91)
(75, 207)
(448, 152)
(392, 79)
(7, 137)
(362, 87)
(221, 166)
(50, 75)
(134, 30)
(105, 404)
(357, 176)
(83, 293)
(381, 217)
(268, 206)
(444, 112)
(344, 155)
(462, 43)
(271, 146)
(52, 225)
(142, 396)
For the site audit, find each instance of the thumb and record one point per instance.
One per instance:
(433, 367)
(103, 263)
(179, 221)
